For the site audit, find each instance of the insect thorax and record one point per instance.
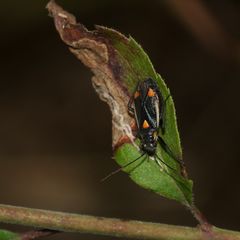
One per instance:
(149, 141)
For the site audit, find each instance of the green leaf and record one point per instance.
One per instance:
(7, 235)
(146, 172)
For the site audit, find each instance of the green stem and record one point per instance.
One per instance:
(67, 222)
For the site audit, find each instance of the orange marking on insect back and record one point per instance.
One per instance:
(145, 124)
(136, 94)
(150, 93)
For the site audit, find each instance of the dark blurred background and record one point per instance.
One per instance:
(55, 134)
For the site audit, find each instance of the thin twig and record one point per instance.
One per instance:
(67, 222)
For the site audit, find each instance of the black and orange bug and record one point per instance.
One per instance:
(147, 106)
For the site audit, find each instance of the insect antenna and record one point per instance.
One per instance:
(175, 179)
(175, 170)
(121, 168)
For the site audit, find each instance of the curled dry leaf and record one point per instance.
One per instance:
(97, 53)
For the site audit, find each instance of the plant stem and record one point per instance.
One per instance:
(204, 224)
(67, 222)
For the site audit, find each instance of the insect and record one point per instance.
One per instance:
(147, 106)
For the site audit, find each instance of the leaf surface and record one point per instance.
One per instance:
(118, 64)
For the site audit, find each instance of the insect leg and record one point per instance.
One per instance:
(169, 151)
(139, 164)
(158, 158)
(121, 168)
(130, 108)
(163, 113)
(174, 178)
(130, 102)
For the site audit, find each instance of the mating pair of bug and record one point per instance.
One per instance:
(148, 106)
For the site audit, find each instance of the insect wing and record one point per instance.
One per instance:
(151, 110)
(147, 99)
(138, 111)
